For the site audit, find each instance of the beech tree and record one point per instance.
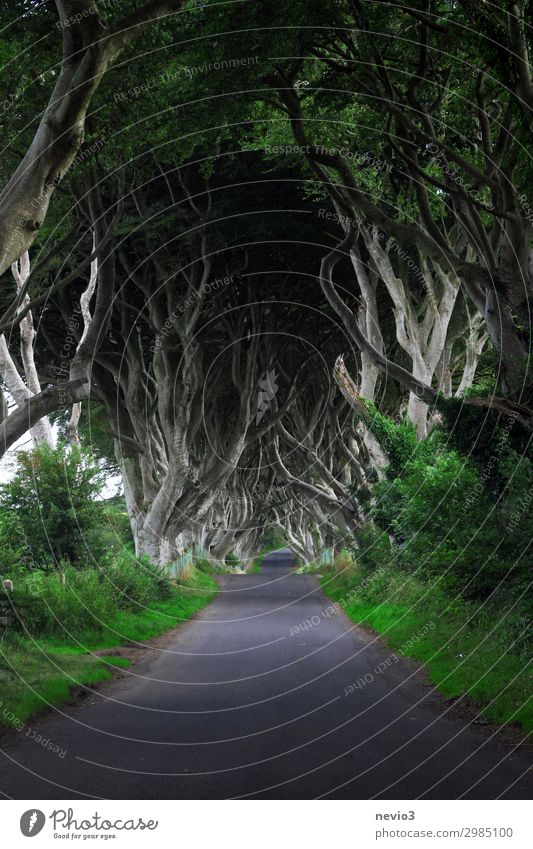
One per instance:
(71, 382)
(89, 47)
(254, 249)
(179, 367)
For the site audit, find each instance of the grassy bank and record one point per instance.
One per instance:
(481, 650)
(257, 563)
(42, 669)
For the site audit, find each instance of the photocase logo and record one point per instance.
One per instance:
(267, 392)
(32, 822)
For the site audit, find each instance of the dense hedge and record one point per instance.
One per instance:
(440, 512)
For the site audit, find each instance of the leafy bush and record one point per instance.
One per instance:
(232, 561)
(271, 538)
(397, 439)
(88, 598)
(135, 580)
(344, 561)
(374, 548)
(203, 565)
(49, 512)
(439, 513)
(117, 528)
(446, 523)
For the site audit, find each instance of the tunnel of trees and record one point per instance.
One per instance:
(277, 277)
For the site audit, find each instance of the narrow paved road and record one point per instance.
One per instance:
(239, 703)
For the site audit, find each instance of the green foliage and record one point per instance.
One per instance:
(211, 568)
(135, 581)
(117, 530)
(257, 565)
(35, 677)
(49, 513)
(36, 673)
(475, 431)
(88, 598)
(374, 548)
(398, 440)
(203, 565)
(483, 651)
(232, 561)
(95, 435)
(272, 538)
(440, 513)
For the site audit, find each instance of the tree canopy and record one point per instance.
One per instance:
(269, 245)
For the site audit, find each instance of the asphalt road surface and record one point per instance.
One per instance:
(241, 702)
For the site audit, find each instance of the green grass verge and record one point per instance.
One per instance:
(257, 563)
(312, 568)
(467, 649)
(42, 672)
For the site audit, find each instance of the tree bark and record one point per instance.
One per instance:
(89, 48)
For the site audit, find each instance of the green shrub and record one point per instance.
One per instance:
(135, 580)
(203, 565)
(445, 522)
(344, 562)
(49, 512)
(440, 513)
(232, 561)
(88, 598)
(374, 548)
(43, 605)
(116, 528)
